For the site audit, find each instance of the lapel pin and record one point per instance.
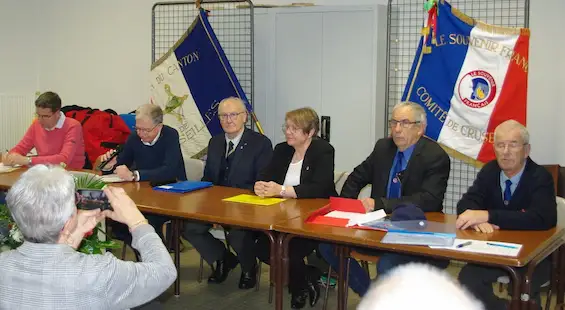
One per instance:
(307, 168)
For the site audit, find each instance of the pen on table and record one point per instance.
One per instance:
(502, 245)
(463, 244)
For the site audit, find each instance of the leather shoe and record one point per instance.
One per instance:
(223, 268)
(298, 299)
(248, 280)
(313, 292)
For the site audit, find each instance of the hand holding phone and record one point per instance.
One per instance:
(125, 210)
(92, 199)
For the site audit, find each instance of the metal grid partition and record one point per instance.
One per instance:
(232, 21)
(405, 19)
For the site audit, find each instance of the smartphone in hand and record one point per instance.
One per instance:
(92, 199)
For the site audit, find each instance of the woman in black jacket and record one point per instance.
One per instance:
(301, 167)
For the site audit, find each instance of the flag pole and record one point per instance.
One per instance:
(257, 123)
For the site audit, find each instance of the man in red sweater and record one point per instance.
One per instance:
(56, 138)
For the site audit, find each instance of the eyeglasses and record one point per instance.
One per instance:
(291, 129)
(403, 123)
(146, 130)
(231, 116)
(44, 116)
(514, 145)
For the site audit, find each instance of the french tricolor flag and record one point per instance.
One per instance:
(469, 77)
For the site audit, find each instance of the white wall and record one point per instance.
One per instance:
(320, 2)
(546, 102)
(97, 53)
(19, 50)
(561, 129)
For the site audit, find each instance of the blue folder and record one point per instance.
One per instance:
(183, 187)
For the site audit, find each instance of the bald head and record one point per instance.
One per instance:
(418, 286)
(512, 125)
(511, 147)
(232, 102)
(232, 113)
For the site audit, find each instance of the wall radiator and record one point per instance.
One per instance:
(16, 114)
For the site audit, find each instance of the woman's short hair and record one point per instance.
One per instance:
(305, 119)
(41, 201)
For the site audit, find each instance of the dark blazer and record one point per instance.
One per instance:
(423, 183)
(532, 206)
(317, 174)
(253, 153)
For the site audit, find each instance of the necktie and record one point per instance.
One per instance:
(230, 149)
(395, 185)
(507, 192)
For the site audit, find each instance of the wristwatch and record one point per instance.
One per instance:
(283, 191)
(29, 161)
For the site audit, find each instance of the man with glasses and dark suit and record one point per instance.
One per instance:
(235, 159)
(404, 169)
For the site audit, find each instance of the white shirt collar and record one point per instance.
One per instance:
(235, 140)
(154, 140)
(60, 122)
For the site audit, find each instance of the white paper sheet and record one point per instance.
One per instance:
(367, 218)
(5, 169)
(112, 178)
(343, 215)
(485, 247)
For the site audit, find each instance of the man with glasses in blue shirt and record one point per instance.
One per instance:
(151, 153)
(511, 192)
(403, 169)
(235, 159)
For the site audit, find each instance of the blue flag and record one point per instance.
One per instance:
(189, 82)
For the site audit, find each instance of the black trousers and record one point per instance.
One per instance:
(299, 248)
(479, 279)
(212, 249)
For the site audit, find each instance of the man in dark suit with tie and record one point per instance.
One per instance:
(511, 192)
(235, 160)
(405, 168)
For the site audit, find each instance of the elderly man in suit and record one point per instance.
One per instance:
(511, 192)
(405, 168)
(235, 159)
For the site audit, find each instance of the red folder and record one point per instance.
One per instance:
(336, 204)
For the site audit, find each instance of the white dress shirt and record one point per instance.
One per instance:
(235, 141)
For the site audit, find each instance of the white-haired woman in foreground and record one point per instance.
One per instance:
(47, 272)
(418, 286)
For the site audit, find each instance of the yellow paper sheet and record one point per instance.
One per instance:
(254, 200)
